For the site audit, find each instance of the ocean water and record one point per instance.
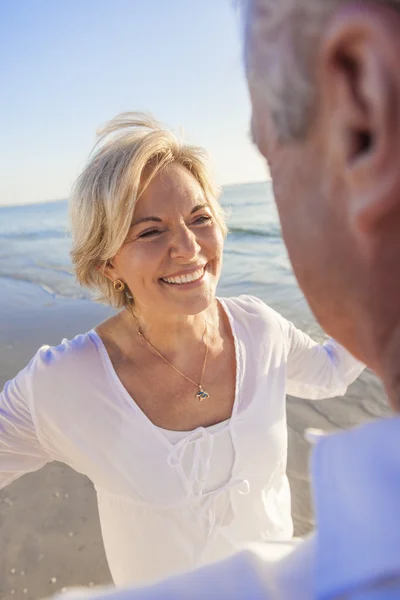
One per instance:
(34, 247)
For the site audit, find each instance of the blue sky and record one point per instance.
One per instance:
(67, 66)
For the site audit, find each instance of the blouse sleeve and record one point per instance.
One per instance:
(316, 371)
(20, 449)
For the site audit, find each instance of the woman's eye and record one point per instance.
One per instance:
(203, 219)
(150, 233)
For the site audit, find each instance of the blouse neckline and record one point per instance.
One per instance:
(158, 431)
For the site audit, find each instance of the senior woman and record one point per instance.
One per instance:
(175, 406)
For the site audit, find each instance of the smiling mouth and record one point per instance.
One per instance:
(188, 278)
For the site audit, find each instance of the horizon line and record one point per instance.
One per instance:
(55, 200)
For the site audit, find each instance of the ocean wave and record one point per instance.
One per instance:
(56, 289)
(35, 235)
(67, 270)
(46, 234)
(273, 232)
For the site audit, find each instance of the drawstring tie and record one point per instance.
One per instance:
(235, 489)
(202, 452)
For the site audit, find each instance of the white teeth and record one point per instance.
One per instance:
(185, 278)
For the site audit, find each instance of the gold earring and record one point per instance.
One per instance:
(119, 285)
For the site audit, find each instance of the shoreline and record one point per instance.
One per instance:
(49, 523)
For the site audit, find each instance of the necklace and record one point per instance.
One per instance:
(201, 394)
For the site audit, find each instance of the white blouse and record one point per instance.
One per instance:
(170, 501)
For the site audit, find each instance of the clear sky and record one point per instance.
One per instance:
(67, 66)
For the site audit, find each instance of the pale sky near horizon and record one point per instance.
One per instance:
(66, 67)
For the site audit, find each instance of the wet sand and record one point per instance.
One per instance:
(49, 527)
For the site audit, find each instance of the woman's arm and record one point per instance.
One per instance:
(316, 371)
(20, 449)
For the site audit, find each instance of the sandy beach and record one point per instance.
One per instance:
(49, 528)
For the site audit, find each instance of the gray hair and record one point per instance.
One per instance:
(288, 83)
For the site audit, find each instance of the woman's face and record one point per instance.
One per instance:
(171, 259)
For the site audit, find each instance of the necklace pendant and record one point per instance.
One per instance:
(202, 395)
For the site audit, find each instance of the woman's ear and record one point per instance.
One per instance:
(108, 269)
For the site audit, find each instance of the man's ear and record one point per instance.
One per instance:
(359, 78)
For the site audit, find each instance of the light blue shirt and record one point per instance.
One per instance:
(356, 477)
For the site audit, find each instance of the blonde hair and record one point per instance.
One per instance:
(131, 149)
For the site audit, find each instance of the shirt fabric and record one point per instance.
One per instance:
(171, 501)
(353, 555)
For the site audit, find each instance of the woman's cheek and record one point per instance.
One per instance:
(218, 238)
(147, 252)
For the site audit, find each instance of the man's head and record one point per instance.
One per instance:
(324, 79)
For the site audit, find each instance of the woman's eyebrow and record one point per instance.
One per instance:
(158, 220)
(146, 219)
(199, 207)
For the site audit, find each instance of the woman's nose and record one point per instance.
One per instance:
(184, 244)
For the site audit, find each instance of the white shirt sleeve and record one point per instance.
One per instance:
(234, 579)
(316, 371)
(20, 449)
(248, 575)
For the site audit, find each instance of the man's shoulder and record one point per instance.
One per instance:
(356, 478)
